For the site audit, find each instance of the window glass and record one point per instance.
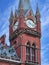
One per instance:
(28, 52)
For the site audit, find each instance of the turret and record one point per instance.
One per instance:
(37, 14)
(11, 17)
(11, 22)
(38, 19)
(15, 13)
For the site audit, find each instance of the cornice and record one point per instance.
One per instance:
(25, 31)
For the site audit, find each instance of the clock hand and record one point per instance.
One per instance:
(31, 24)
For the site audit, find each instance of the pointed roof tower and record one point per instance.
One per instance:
(11, 15)
(24, 4)
(11, 18)
(15, 12)
(37, 11)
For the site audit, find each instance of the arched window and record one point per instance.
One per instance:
(28, 51)
(33, 52)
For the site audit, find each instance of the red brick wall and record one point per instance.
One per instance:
(6, 63)
(21, 50)
(2, 39)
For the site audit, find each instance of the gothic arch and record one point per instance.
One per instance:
(34, 53)
(34, 45)
(28, 51)
(27, 43)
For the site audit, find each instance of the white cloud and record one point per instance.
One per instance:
(4, 20)
(45, 34)
(45, 64)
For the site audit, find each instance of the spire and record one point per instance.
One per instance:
(24, 4)
(37, 14)
(15, 12)
(11, 14)
(37, 11)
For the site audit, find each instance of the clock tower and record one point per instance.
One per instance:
(25, 33)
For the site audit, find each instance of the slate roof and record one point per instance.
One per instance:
(24, 4)
(8, 52)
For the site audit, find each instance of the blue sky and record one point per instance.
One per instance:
(5, 8)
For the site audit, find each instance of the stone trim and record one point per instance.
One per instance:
(26, 31)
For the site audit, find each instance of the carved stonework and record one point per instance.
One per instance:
(26, 31)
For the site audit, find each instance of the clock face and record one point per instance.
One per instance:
(30, 23)
(15, 26)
